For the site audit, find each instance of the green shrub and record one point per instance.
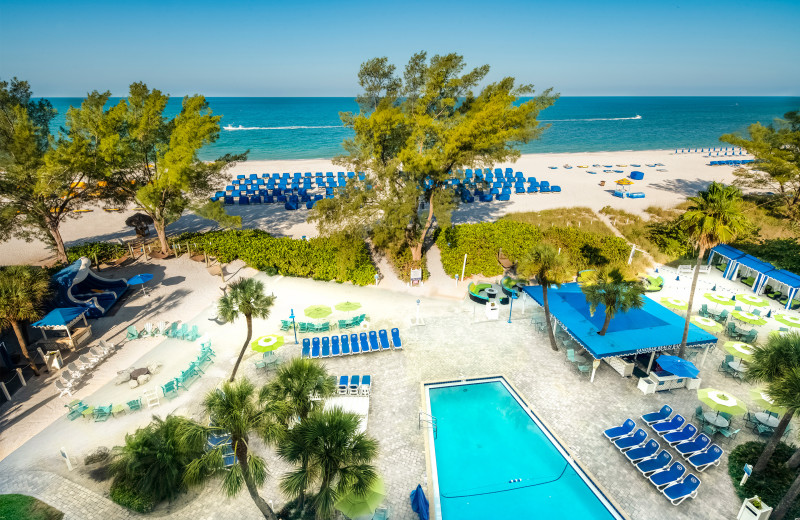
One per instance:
(128, 496)
(103, 251)
(771, 485)
(402, 263)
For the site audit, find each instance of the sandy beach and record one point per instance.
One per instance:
(683, 175)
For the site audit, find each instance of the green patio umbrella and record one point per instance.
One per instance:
(739, 349)
(752, 300)
(317, 311)
(720, 401)
(749, 317)
(706, 324)
(719, 299)
(675, 303)
(353, 506)
(347, 306)
(763, 400)
(267, 343)
(786, 319)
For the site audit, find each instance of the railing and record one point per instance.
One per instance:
(427, 420)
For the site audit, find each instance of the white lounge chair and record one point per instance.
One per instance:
(62, 389)
(148, 329)
(162, 328)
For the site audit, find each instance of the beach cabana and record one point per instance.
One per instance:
(648, 330)
(749, 267)
(727, 252)
(788, 282)
(63, 320)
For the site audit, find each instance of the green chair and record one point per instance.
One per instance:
(172, 332)
(710, 430)
(302, 327)
(698, 414)
(585, 369)
(285, 325)
(183, 332)
(76, 409)
(723, 316)
(728, 433)
(731, 330)
(756, 312)
(193, 334)
(102, 413)
(751, 336)
(344, 324)
(325, 327)
(704, 311)
(132, 333)
(170, 389)
(135, 404)
(260, 363)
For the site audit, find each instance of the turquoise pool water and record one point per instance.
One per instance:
(493, 460)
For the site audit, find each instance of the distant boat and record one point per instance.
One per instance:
(231, 127)
(637, 117)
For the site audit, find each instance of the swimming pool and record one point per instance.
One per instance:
(491, 458)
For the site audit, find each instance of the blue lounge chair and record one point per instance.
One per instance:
(366, 382)
(396, 343)
(343, 385)
(687, 433)
(362, 338)
(354, 343)
(335, 350)
(644, 452)
(659, 416)
(696, 445)
(711, 457)
(354, 383)
(373, 341)
(686, 488)
(649, 466)
(345, 342)
(672, 425)
(326, 347)
(306, 348)
(384, 339)
(637, 439)
(315, 348)
(620, 431)
(664, 478)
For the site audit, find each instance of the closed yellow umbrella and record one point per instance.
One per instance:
(624, 182)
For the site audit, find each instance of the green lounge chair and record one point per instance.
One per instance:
(102, 413)
(134, 405)
(721, 267)
(183, 332)
(344, 324)
(132, 333)
(302, 327)
(187, 377)
(193, 334)
(748, 281)
(172, 332)
(285, 325)
(325, 327)
(170, 389)
(76, 409)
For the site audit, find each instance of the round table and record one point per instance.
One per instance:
(737, 365)
(716, 419)
(767, 420)
(491, 292)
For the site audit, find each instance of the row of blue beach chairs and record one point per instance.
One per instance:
(354, 385)
(679, 435)
(732, 151)
(731, 162)
(345, 345)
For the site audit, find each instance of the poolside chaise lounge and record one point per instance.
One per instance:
(705, 459)
(661, 415)
(383, 337)
(672, 425)
(343, 383)
(686, 488)
(345, 344)
(362, 337)
(366, 385)
(624, 444)
(396, 343)
(643, 452)
(373, 341)
(657, 463)
(315, 348)
(326, 346)
(306, 352)
(620, 431)
(677, 437)
(696, 445)
(354, 385)
(666, 477)
(335, 350)
(354, 343)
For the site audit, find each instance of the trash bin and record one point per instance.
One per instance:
(53, 360)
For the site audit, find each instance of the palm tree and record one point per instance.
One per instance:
(23, 291)
(246, 297)
(550, 269)
(235, 409)
(609, 287)
(771, 364)
(338, 457)
(786, 392)
(714, 217)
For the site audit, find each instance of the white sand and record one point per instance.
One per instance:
(685, 175)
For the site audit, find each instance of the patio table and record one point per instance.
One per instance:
(737, 365)
(716, 419)
(767, 420)
(491, 293)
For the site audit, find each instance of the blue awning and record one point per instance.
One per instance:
(60, 318)
(652, 328)
(755, 264)
(731, 253)
(785, 277)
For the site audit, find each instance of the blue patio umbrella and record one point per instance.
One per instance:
(678, 366)
(141, 279)
(419, 503)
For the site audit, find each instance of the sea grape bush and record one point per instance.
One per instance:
(104, 251)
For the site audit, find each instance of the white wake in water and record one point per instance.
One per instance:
(240, 127)
(637, 116)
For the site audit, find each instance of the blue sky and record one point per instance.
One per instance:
(251, 48)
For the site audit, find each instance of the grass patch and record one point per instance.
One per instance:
(772, 484)
(19, 507)
(583, 218)
(656, 235)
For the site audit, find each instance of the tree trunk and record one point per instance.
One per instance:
(23, 347)
(249, 320)
(788, 500)
(550, 333)
(769, 449)
(416, 249)
(261, 504)
(61, 252)
(161, 231)
(682, 349)
(794, 460)
(602, 332)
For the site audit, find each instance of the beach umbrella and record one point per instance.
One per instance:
(353, 505)
(678, 366)
(706, 324)
(419, 503)
(741, 350)
(347, 306)
(317, 311)
(764, 401)
(267, 343)
(749, 317)
(719, 299)
(752, 299)
(141, 279)
(791, 321)
(674, 303)
(720, 401)
(624, 182)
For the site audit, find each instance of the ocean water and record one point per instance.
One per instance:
(309, 128)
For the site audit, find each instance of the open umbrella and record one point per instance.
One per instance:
(624, 182)
(352, 505)
(141, 279)
(267, 343)
(738, 349)
(678, 366)
(749, 317)
(752, 300)
(317, 311)
(720, 401)
(719, 299)
(675, 303)
(419, 503)
(347, 306)
(763, 400)
(791, 321)
(706, 324)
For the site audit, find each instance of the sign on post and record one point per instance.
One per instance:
(748, 469)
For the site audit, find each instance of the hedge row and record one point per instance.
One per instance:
(481, 243)
(337, 258)
(103, 251)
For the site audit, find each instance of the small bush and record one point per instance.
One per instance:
(104, 251)
(129, 497)
(772, 484)
(98, 455)
(292, 512)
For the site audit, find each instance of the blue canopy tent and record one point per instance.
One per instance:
(653, 328)
(62, 319)
(754, 266)
(727, 252)
(785, 278)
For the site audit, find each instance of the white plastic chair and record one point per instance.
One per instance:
(62, 389)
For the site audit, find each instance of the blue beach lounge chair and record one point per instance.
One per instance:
(335, 350)
(696, 445)
(315, 348)
(345, 342)
(366, 382)
(686, 488)
(644, 452)
(661, 415)
(649, 466)
(672, 425)
(343, 385)
(703, 460)
(687, 433)
(362, 338)
(637, 439)
(384, 339)
(373, 341)
(664, 478)
(326, 346)
(396, 343)
(306, 348)
(620, 431)
(354, 343)
(354, 384)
